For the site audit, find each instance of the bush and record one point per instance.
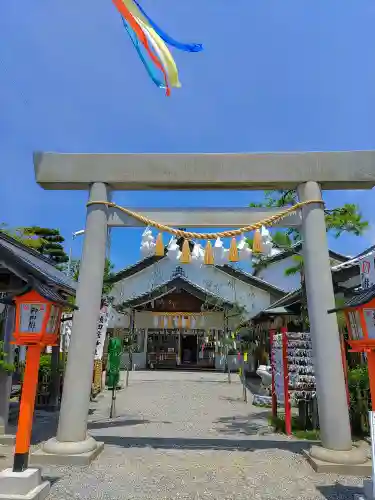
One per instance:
(360, 399)
(44, 367)
(278, 423)
(4, 365)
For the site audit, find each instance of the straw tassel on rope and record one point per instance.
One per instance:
(159, 247)
(185, 253)
(233, 251)
(257, 242)
(209, 254)
(170, 322)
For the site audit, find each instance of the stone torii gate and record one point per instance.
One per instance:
(102, 173)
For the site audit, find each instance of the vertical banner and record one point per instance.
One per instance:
(65, 331)
(273, 369)
(368, 272)
(278, 368)
(280, 375)
(102, 331)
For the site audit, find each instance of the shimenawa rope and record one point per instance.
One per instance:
(268, 221)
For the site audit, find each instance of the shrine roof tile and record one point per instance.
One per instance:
(29, 262)
(360, 298)
(174, 284)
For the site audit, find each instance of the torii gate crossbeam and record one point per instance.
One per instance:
(307, 172)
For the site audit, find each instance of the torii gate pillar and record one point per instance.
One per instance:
(330, 384)
(306, 171)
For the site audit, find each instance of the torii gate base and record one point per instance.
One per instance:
(308, 172)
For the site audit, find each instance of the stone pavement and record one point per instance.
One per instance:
(189, 435)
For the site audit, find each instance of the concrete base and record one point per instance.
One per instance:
(350, 463)
(64, 455)
(7, 439)
(26, 485)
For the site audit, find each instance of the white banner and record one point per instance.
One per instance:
(65, 331)
(102, 331)
(367, 272)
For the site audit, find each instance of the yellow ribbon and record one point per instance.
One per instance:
(158, 44)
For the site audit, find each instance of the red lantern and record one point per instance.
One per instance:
(37, 325)
(359, 314)
(37, 320)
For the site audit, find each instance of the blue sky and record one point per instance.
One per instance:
(274, 76)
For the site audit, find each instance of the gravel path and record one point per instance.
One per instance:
(190, 436)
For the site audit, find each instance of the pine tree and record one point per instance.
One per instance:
(49, 242)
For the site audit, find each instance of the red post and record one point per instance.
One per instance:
(274, 398)
(25, 419)
(371, 376)
(288, 411)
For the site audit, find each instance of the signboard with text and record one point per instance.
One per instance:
(102, 331)
(367, 272)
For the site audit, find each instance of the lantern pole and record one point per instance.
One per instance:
(25, 419)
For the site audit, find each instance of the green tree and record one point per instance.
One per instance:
(345, 219)
(4, 364)
(108, 282)
(49, 242)
(234, 315)
(46, 241)
(130, 345)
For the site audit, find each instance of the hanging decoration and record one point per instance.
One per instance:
(148, 243)
(218, 255)
(215, 254)
(209, 254)
(257, 242)
(185, 253)
(159, 246)
(180, 320)
(150, 42)
(233, 251)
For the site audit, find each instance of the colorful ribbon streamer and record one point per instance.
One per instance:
(149, 68)
(148, 40)
(187, 47)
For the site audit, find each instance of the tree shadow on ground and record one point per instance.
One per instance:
(339, 491)
(44, 428)
(123, 422)
(51, 479)
(232, 399)
(293, 446)
(248, 425)
(45, 425)
(178, 381)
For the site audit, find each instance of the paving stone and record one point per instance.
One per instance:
(190, 436)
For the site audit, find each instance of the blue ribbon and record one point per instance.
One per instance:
(187, 47)
(148, 65)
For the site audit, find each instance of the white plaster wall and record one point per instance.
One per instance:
(275, 274)
(118, 320)
(208, 278)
